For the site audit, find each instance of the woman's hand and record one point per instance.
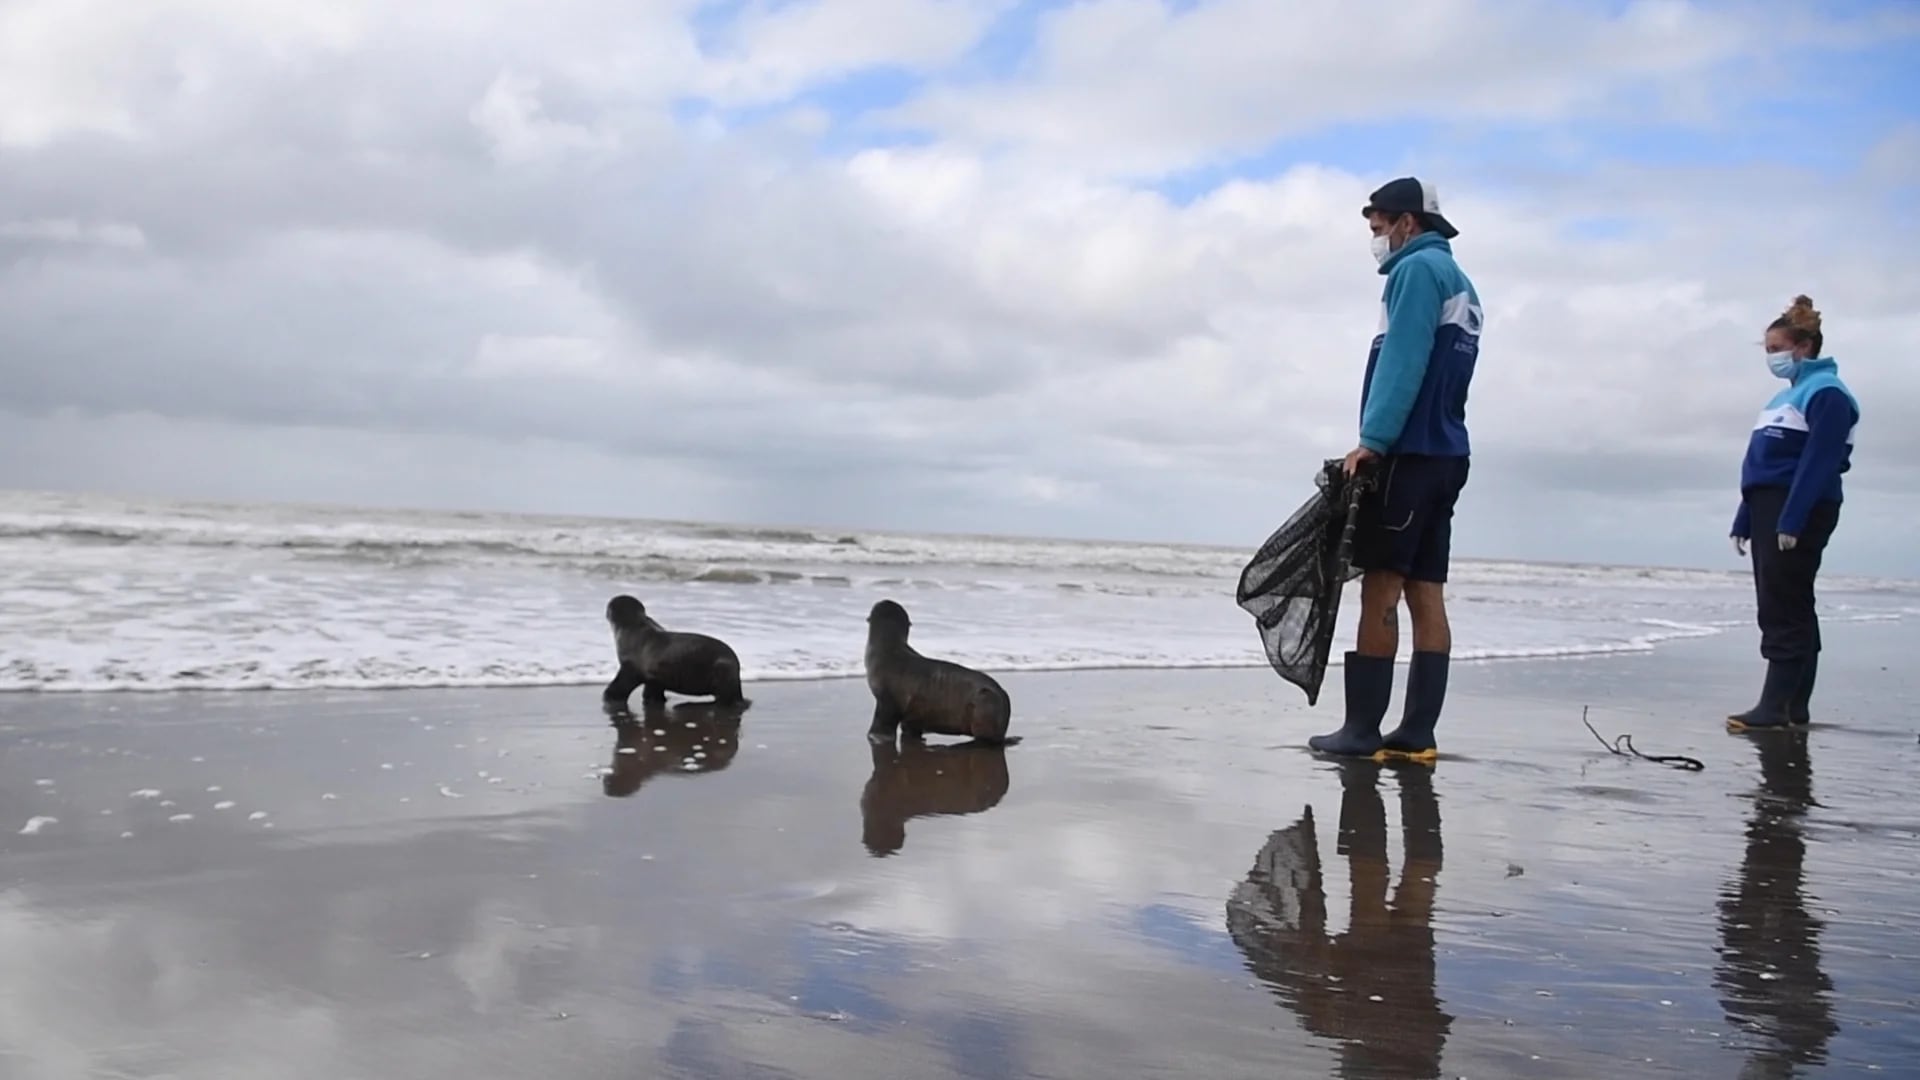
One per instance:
(1787, 542)
(1740, 546)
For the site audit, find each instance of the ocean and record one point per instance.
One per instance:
(107, 593)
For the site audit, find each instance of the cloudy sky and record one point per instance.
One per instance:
(1083, 269)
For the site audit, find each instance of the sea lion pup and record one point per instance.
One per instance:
(919, 695)
(914, 779)
(663, 740)
(665, 660)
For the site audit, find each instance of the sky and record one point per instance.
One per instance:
(1091, 269)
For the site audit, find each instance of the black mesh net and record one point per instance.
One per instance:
(1292, 587)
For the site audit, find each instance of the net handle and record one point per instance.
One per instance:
(1355, 485)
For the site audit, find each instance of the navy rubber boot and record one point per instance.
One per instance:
(1426, 693)
(1369, 690)
(1798, 710)
(1776, 697)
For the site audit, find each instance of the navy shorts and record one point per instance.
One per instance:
(1405, 523)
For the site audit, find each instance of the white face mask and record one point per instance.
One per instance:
(1382, 247)
(1782, 364)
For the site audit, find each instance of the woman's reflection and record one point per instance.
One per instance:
(1769, 974)
(1372, 987)
(916, 779)
(691, 737)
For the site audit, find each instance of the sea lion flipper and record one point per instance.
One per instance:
(987, 712)
(726, 680)
(624, 683)
(886, 718)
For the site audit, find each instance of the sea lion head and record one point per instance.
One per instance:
(890, 615)
(624, 610)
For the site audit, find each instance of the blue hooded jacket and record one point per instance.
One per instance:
(1802, 441)
(1414, 399)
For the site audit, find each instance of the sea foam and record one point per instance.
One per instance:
(107, 594)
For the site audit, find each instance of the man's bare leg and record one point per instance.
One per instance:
(1427, 603)
(1426, 675)
(1380, 592)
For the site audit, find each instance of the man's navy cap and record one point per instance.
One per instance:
(1410, 196)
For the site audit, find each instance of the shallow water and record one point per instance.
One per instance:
(1157, 882)
(98, 593)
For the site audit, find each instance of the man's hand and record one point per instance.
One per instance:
(1787, 542)
(1357, 457)
(1740, 546)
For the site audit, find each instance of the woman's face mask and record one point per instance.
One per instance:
(1783, 365)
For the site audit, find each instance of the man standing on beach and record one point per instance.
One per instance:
(1413, 445)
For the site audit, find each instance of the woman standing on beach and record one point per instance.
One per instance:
(1789, 506)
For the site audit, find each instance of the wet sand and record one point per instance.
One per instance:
(1157, 882)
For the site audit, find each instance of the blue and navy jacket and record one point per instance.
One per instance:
(1414, 400)
(1803, 441)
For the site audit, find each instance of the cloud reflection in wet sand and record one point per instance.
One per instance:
(1070, 924)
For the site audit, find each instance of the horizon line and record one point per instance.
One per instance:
(322, 504)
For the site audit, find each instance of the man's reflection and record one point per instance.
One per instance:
(916, 779)
(1769, 974)
(691, 737)
(1372, 987)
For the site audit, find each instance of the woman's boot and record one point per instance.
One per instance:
(1776, 697)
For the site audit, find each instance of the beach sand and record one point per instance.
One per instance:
(1158, 882)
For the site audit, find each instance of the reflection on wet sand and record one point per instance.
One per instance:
(915, 779)
(1769, 975)
(1372, 987)
(691, 737)
(374, 925)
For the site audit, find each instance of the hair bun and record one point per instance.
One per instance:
(1802, 315)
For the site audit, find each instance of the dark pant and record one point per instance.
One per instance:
(1783, 580)
(1405, 523)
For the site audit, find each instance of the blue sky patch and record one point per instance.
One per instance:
(1826, 115)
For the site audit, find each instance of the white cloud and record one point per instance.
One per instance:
(538, 355)
(517, 128)
(1143, 85)
(112, 234)
(1895, 160)
(93, 66)
(776, 48)
(487, 230)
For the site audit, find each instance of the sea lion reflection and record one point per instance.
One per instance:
(1769, 974)
(1372, 987)
(691, 737)
(914, 779)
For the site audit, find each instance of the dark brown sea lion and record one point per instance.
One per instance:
(919, 695)
(916, 780)
(666, 661)
(691, 738)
